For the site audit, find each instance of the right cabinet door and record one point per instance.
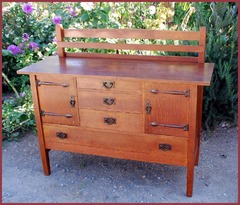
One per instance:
(167, 108)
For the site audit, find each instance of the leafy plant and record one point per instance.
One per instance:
(220, 99)
(17, 115)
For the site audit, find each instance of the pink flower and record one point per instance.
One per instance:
(57, 19)
(27, 8)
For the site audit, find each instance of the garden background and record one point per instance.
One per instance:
(28, 36)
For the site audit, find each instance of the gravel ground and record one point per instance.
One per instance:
(86, 178)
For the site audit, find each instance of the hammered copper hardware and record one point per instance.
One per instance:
(72, 101)
(165, 147)
(109, 120)
(108, 84)
(61, 135)
(109, 101)
(148, 108)
(52, 83)
(185, 127)
(43, 113)
(186, 93)
(154, 91)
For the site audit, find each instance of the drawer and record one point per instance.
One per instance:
(167, 108)
(115, 121)
(142, 147)
(103, 100)
(109, 84)
(58, 99)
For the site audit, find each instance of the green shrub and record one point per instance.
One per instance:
(221, 98)
(17, 115)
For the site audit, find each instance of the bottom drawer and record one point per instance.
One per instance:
(141, 147)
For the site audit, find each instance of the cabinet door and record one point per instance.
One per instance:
(166, 109)
(57, 99)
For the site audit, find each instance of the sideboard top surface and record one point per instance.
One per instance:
(194, 73)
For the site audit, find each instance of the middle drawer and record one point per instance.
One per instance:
(114, 121)
(102, 100)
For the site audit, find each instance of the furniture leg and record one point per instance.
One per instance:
(190, 178)
(45, 161)
(199, 121)
(43, 150)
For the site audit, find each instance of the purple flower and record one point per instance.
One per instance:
(14, 49)
(57, 19)
(25, 37)
(23, 94)
(27, 8)
(69, 8)
(21, 46)
(33, 46)
(54, 40)
(73, 13)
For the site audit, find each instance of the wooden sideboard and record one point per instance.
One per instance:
(145, 108)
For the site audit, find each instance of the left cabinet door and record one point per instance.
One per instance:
(57, 99)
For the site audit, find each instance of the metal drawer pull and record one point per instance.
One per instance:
(185, 127)
(61, 135)
(154, 91)
(110, 120)
(186, 93)
(108, 84)
(165, 147)
(43, 113)
(148, 108)
(72, 101)
(109, 101)
(52, 83)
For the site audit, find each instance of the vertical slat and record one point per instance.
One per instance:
(192, 139)
(43, 150)
(202, 42)
(59, 36)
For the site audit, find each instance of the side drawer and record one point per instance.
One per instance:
(141, 147)
(115, 121)
(103, 100)
(108, 84)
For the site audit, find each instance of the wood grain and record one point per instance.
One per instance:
(132, 33)
(192, 139)
(159, 71)
(125, 146)
(122, 102)
(166, 108)
(43, 150)
(56, 99)
(126, 122)
(122, 46)
(97, 82)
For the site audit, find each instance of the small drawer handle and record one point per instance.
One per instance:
(165, 147)
(109, 101)
(61, 135)
(110, 120)
(108, 84)
(72, 101)
(148, 108)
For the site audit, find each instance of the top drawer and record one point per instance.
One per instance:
(108, 83)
